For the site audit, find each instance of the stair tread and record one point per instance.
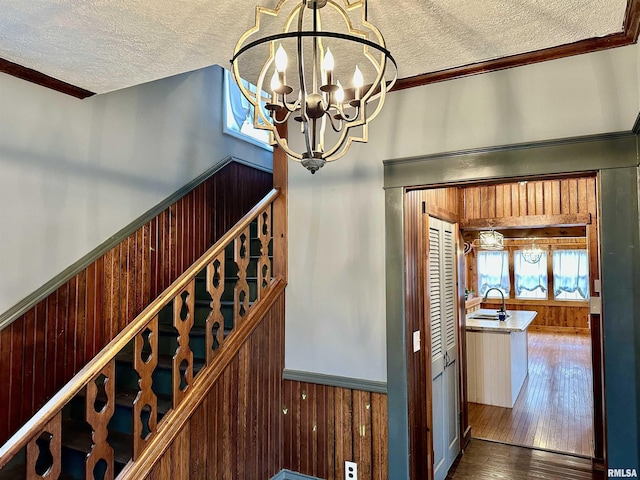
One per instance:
(197, 330)
(19, 470)
(77, 436)
(126, 396)
(164, 361)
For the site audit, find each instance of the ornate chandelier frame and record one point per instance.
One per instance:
(320, 102)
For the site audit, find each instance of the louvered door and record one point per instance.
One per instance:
(441, 285)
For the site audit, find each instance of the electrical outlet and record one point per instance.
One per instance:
(350, 471)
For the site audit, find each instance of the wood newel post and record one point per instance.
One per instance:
(280, 208)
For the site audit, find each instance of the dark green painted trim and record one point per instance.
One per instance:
(56, 282)
(289, 475)
(571, 155)
(615, 157)
(335, 381)
(636, 126)
(620, 253)
(397, 386)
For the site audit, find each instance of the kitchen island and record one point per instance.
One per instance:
(497, 356)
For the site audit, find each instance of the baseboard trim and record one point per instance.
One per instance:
(56, 282)
(289, 475)
(335, 381)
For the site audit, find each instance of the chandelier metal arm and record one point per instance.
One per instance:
(303, 89)
(300, 35)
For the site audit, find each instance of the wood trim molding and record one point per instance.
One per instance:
(530, 221)
(632, 20)
(441, 214)
(42, 79)
(335, 381)
(628, 36)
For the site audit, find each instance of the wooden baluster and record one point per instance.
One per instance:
(98, 415)
(145, 362)
(47, 442)
(215, 319)
(264, 264)
(183, 316)
(242, 254)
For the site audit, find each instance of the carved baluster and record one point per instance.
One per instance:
(183, 317)
(43, 451)
(215, 320)
(145, 406)
(241, 291)
(264, 264)
(99, 407)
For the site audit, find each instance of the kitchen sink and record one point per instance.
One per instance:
(486, 316)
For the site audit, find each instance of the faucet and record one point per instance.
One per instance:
(486, 294)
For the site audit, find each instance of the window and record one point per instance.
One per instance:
(493, 272)
(530, 279)
(239, 114)
(570, 275)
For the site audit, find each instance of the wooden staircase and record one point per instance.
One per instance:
(100, 424)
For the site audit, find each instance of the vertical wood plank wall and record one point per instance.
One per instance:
(325, 426)
(44, 348)
(543, 197)
(446, 200)
(237, 431)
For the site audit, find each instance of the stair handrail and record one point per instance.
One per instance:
(51, 408)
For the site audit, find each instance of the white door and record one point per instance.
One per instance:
(444, 345)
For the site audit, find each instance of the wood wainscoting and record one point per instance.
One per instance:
(325, 426)
(237, 431)
(42, 350)
(551, 317)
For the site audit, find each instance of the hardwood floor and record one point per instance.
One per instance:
(483, 460)
(554, 410)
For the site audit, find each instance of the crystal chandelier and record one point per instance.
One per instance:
(327, 39)
(532, 254)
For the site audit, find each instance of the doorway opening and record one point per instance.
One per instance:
(558, 405)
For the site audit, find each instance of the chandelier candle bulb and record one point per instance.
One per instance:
(275, 85)
(327, 66)
(358, 82)
(281, 64)
(339, 95)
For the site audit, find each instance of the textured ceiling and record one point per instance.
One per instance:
(106, 45)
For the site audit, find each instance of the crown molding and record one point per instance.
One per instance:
(42, 79)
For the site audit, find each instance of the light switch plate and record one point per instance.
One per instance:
(416, 341)
(596, 285)
(595, 306)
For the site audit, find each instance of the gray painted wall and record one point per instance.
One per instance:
(335, 298)
(74, 172)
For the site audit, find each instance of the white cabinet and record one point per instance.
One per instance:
(441, 285)
(497, 358)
